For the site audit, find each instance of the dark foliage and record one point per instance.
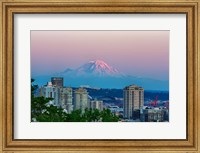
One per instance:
(42, 111)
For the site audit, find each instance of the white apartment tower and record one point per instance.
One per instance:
(51, 91)
(80, 99)
(66, 98)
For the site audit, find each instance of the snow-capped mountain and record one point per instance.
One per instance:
(92, 68)
(98, 67)
(98, 73)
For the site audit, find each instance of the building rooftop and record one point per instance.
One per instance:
(82, 90)
(133, 87)
(57, 78)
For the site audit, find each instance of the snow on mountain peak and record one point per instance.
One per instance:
(98, 67)
(101, 64)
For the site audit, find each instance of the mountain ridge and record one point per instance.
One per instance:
(98, 73)
(95, 67)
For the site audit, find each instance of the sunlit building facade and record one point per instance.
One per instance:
(80, 99)
(96, 104)
(133, 101)
(66, 99)
(51, 91)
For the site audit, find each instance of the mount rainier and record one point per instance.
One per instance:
(99, 74)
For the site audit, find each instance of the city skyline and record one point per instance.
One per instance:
(85, 105)
(138, 53)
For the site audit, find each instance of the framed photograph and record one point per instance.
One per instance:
(96, 76)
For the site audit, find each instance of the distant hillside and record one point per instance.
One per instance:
(118, 93)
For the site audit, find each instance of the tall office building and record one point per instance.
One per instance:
(51, 91)
(57, 81)
(96, 104)
(66, 99)
(80, 99)
(133, 101)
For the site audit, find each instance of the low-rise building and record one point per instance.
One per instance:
(96, 104)
(154, 115)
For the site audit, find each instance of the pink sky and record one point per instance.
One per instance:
(139, 53)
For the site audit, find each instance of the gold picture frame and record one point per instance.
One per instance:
(10, 7)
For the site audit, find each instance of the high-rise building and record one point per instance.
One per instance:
(51, 91)
(80, 99)
(66, 99)
(96, 104)
(57, 81)
(133, 101)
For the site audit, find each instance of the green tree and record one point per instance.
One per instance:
(52, 114)
(107, 116)
(42, 111)
(74, 116)
(91, 115)
(96, 115)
